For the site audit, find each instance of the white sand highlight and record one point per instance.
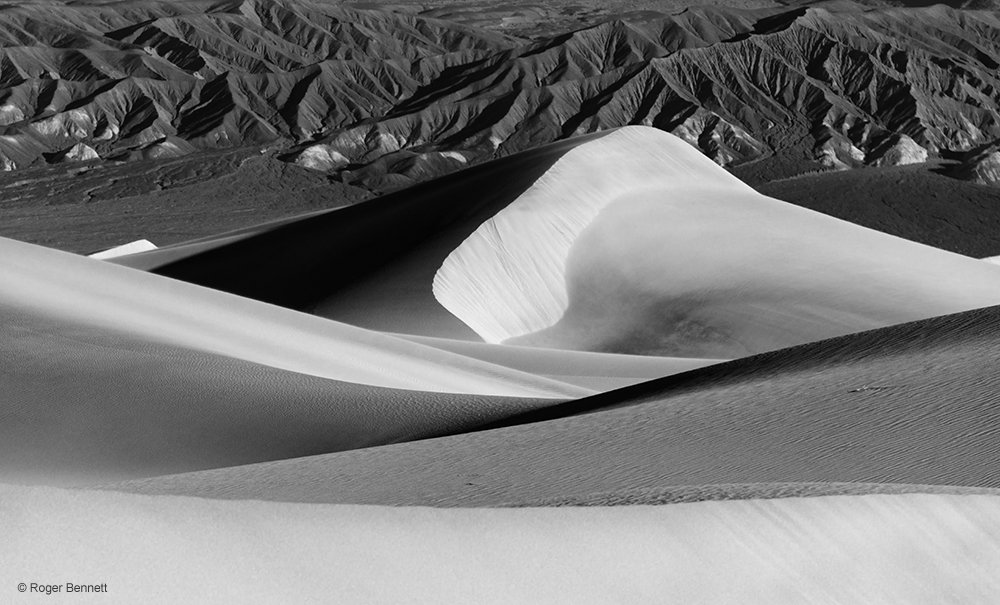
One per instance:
(637, 243)
(140, 245)
(913, 548)
(103, 296)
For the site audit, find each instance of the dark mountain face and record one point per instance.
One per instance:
(381, 100)
(371, 95)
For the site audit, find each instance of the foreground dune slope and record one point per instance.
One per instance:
(107, 374)
(906, 404)
(627, 242)
(83, 406)
(913, 548)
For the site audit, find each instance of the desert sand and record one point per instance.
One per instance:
(602, 370)
(607, 243)
(914, 548)
(119, 300)
(112, 373)
(914, 404)
(669, 254)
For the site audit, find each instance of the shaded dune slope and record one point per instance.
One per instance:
(914, 202)
(83, 406)
(111, 373)
(370, 265)
(752, 491)
(906, 404)
(102, 296)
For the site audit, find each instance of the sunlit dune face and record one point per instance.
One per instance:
(697, 272)
(508, 278)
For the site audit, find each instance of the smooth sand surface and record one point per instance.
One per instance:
(638, 243)
(913, 548)
(83, 406)
(602, 371)
(102, 296)
(915, 403)
(108, 373)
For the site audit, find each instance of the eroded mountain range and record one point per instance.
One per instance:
(382, 99)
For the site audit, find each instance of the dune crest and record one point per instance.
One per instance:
(508, 278)
(637, 243)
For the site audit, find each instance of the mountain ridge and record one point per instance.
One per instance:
(382, 99)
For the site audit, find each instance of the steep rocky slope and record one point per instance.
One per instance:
(384, 99)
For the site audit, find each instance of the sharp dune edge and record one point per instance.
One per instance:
(911, 404)
(901, 548)
(637, 243)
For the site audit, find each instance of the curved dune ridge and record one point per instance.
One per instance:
(508, 278)
(111, 373)
(601, 371)
(120, 300)
(913, 548)
(913, 404)
(638, 243)
(629, 241)
(82, 406)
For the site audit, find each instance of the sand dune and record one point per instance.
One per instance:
(638, 243)
(752, 491)
(84, 406)
(542, 345)
(628, 242)
(906, 404)
(602, 371)
(394, 244)
(111, 373)
(904, 548)
(128, 302)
